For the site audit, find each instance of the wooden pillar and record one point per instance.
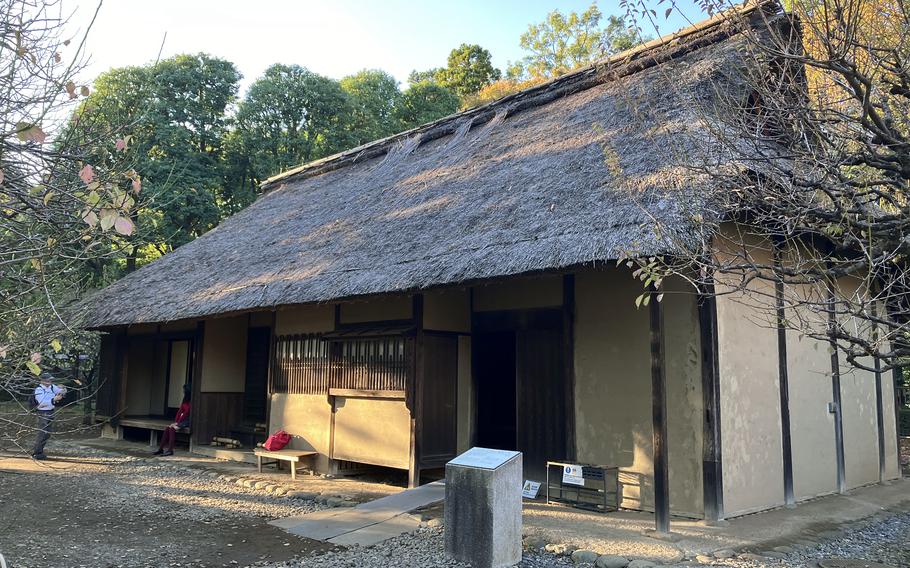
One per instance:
(836, 393)
(123, 368)
(568, 340)
(783, 379)
(417, 396)
(898, 378)
(196, 390)
(879, 404)
(659, 415)
(712, 457)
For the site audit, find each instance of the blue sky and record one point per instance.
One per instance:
(335, 38)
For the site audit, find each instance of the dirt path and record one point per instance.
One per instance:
(87, 507)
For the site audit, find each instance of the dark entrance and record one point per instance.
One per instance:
(520, 385)
(494, 379)
(255, 392)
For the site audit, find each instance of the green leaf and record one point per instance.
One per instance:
(33, 367)
(56, 345)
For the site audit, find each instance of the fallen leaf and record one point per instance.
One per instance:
(87, 174)
(90, 217)
(120, 144)
(55, 344)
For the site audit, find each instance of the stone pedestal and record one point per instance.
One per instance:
(483, 508)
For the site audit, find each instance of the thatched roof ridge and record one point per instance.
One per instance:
(541, 181)
(651, 53)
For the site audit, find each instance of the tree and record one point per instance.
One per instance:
(470, 68)
(821, 135)
(178, 111)
(374, 96)
(58, 208)
(564, 42)
(288, 117)
(425, 102)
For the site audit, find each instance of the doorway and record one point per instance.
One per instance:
(255, 390)
(520, 386)
(495, 378)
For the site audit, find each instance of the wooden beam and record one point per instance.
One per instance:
(416, 405)
(783, 378)
(659, 415)
(836, 395)
(712, 457)
(879, 404)
(568, 341)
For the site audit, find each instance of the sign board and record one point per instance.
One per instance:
(530, 489)
(484, 458)
(572, 475)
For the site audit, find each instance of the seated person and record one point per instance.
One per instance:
(169, 436)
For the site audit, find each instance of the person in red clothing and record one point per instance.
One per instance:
(169, 436)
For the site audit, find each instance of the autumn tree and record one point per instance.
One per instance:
(816, 166)
(58, 207)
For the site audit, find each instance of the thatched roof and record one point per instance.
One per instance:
(540, 180)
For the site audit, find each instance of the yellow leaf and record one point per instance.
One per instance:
(33, 367)
(56, 345)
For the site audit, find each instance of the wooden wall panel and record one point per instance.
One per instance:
(214, 414)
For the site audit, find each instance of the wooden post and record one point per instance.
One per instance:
(196, 389)
(568, 341)
(836, 394)
(416, 406)
(659, 415)
(897, 376)
(712, 457)
(783, 378)
(879, 405)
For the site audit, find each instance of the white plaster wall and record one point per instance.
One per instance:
(447, 310)
(224, 355)
(811, 425)
(307, 418)
(373, 431)
(892, 467)
(519, 294)
(613, 388)
(749, 395)
(305, 319)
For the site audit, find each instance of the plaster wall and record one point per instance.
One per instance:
(447, 310)
(383, 308)
(224, 355)
(811, 425)
(749, 393)
(307, 418)
(519, 294)
(613, 388)
(373, 431)
(305, 319)
(859, 405)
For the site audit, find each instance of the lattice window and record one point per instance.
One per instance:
(302, 364)
(377, 364)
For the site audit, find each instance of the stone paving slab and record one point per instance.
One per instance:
(370, 522)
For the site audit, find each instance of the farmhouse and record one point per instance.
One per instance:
(456, 285)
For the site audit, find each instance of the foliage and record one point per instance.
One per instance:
(425, 102)
(470, 68)
(177, 109)
(500, 89)
(816, 153)
(562, 43)
(59, 207)
(289, 116)
(374, 96)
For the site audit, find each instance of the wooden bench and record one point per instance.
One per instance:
(292, 456)
(153, 425)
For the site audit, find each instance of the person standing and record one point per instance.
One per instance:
(47, 395)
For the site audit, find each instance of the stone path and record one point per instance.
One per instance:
(367, 523)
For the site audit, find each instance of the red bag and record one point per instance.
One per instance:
(277, 441)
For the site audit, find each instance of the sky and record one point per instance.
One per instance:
(332, 37)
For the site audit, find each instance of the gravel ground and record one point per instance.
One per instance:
(86, 507)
